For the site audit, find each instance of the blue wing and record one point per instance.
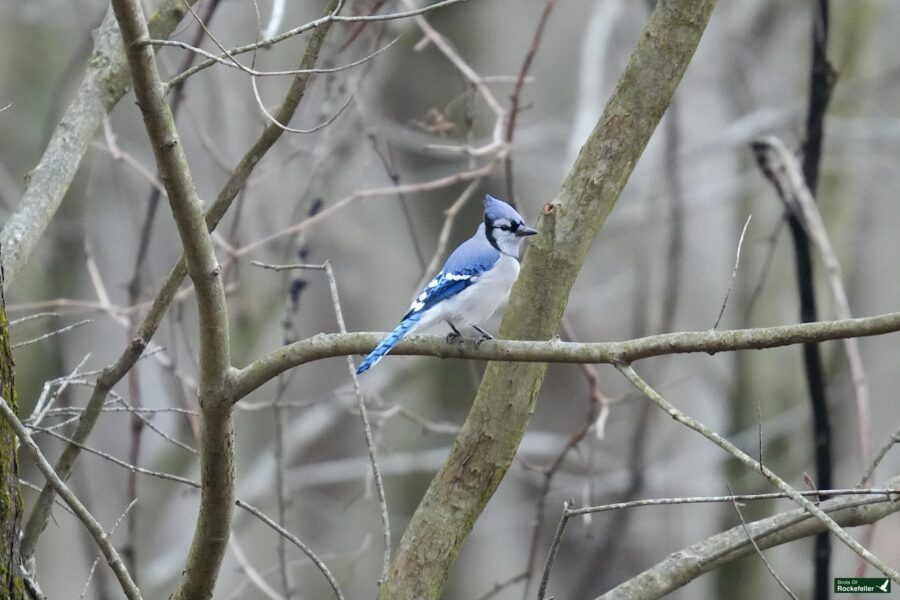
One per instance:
(443, 286)
(463, 268)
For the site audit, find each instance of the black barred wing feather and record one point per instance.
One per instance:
(445, 285)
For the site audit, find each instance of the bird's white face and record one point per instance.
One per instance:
(506, 234)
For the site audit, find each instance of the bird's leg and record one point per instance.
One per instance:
(484, 335)
(454, 335)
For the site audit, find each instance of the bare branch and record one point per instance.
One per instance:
(96, 530)
(879, 456)
(169, 290)
(424, 186)
(769, 475)
(65, 329)
(554, 548)
(762, 557)
(252, 574)
(103, 86)
(323, 346)
(216, 440)
(97, 560)
(516, 96)
(737, 264)
(785, 172)
(500, 414)
(326, 21)
(361, 405)
(230, 61)
(196, 485)
(685, 565)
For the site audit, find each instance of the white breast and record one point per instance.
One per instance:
(475, 304)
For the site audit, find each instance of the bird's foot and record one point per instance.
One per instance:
(454, 337)
(485, 336)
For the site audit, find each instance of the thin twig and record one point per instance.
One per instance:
(323, 568)
(750, 537)
(737, 264)
(554, 548)
(434, 184)
(254, 75)
(814, 510)
(96, 530)
(232, 62)
(729, 498)
(40, 315)
(97, 559)
(46, 399)
(250, 571)
(326, 20)
(370, 445)
(502, 585)
(879, 456)
(781, 164)
(515, 97)
(65, 329)
(386, 158)
(332, 582)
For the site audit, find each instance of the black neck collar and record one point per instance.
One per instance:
(489, 232)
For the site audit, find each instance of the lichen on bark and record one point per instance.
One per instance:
(11, 582)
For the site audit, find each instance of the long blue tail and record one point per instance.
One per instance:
(388, 343)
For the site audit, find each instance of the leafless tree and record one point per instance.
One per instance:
(287, 141)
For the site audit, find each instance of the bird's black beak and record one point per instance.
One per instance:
(524, 230)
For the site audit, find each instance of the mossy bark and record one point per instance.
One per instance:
(11, 584)
(487, 443)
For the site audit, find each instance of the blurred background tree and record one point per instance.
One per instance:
(370, 192)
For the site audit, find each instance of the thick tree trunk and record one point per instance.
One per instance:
(487, 442)
(11, 584)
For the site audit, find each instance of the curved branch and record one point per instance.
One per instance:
(764, 471)
(217, 432)
(104, 84)
(329, 345)
(500, 414)
(114, 372)
(94, 528)
(687, 564)
(325, 21)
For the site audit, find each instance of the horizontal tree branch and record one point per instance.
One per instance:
(328, 345)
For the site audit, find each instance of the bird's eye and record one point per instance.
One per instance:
(504, 227)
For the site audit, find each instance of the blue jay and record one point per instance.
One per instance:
(473, 282)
